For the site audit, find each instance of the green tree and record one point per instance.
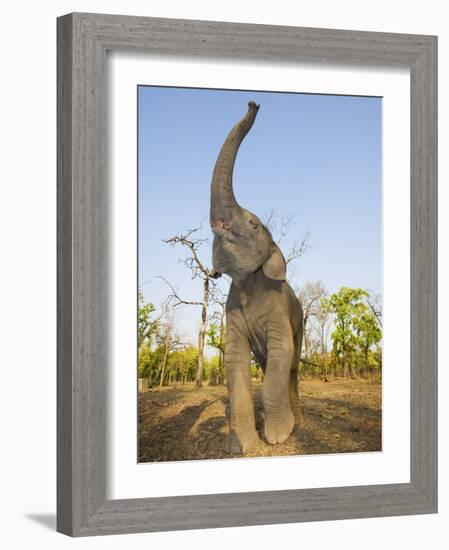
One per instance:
(149, 363)
(369, 333)
(347, 305)
(145, 359)
(147, 331)
(212, 370)
(256, 369)
(184, 364)
(146, 327)
(215, 339)
(375, 359)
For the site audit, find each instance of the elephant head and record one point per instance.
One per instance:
(242, 244)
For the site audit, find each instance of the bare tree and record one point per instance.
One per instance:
(323, 315)
(218, 298)
(169, 340)
(310, 296)
(375, 304)
(199, 271)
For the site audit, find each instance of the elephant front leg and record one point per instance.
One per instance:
(279, 417)
(243, 435)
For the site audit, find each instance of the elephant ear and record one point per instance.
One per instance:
(274, 266)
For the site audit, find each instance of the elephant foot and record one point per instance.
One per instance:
(241, 444)
(277, 430)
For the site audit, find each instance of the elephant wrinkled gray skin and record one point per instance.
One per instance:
(263, 314)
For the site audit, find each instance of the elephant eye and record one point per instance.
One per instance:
(254, 224)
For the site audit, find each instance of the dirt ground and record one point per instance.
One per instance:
(186, 423)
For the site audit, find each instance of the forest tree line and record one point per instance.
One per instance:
(342, 338)
(342, 330)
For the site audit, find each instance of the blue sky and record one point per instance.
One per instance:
(314, 157)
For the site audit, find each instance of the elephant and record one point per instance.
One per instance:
(263, 314)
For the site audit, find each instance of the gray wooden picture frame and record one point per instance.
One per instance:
(83, 40)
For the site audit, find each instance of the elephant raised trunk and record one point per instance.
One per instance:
(223, 204)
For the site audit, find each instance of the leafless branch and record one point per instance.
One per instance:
(309, 363)
(175, 299)
(193, 263)
(267, 219)
(299, 248)
(376, 308)
(278, 224)
(217, 296)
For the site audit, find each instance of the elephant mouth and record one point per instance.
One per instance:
(222, 227)
(222, 224)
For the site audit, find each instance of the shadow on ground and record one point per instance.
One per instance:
(187, 423)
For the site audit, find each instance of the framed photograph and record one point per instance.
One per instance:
(247, 274)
